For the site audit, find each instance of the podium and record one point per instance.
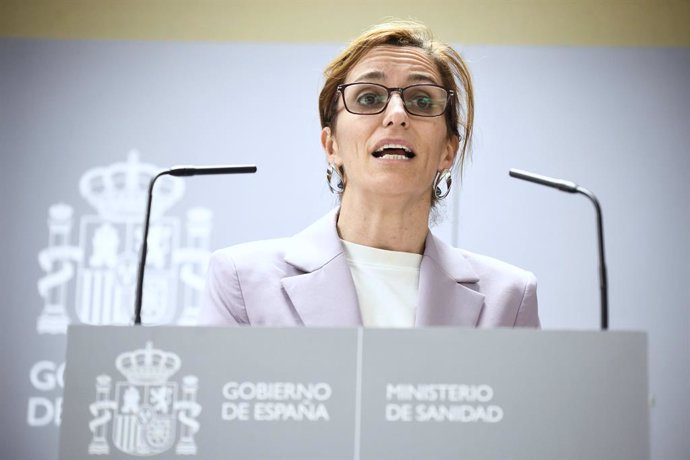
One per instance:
(307, 393)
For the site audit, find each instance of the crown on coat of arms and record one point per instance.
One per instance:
(147, 365)
(118, 191)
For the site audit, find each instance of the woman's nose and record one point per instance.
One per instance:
(395, 113)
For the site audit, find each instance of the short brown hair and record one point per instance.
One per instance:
(454, 74)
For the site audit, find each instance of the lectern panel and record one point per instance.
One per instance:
(364, 394)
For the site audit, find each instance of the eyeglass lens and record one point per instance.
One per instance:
(369, 99)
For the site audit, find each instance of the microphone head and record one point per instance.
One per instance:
(188, 170)
(563, 185)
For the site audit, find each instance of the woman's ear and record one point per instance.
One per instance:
(448, 158)
(330, 146)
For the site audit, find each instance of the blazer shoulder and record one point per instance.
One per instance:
(511, 292)
(486, 266)
(234, 273)
(255, 254)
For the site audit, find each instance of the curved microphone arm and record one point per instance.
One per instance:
(603, 278)
(571, 187)
(180, 171)
(144, 249)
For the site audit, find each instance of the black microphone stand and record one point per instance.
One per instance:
(180, 171)
(571, 187)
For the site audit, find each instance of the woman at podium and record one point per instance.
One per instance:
(396, 113)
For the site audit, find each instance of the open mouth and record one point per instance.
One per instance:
(394, 152)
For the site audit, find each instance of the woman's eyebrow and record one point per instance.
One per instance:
(371, 75)
(421, 78)
(378, 75)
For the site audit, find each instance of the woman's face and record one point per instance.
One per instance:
(355, 142)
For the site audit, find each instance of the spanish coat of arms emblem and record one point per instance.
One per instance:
(97, 275)
(144, 414)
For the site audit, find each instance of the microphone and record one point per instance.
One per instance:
(178, 171)
(187, 170)
(571, 187)
(565, 186)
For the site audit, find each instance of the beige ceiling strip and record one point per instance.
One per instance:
(521, 22)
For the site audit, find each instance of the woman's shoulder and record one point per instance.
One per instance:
(510, 291)
(254, 253)
(489, 266)
(468, 266)
(306, 250)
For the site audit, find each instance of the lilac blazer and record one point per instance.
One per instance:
(305, 281)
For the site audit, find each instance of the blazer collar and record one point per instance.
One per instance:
(316, 245)
(448, 290)
(325, 295)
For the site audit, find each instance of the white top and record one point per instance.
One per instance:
(387, 284)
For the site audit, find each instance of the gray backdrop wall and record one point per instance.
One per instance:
(615, 120)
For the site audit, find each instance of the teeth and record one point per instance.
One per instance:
(394, 157)
(393, 146)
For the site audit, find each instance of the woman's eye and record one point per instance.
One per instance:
(423, 102)
(369, 99)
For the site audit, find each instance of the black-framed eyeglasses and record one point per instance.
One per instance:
(424, 100)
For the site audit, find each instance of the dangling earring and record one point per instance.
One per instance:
(334, 179)
(442, 183)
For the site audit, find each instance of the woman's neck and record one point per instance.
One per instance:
(384, 224)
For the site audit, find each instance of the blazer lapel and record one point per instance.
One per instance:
(324, 294)
(447, 287)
